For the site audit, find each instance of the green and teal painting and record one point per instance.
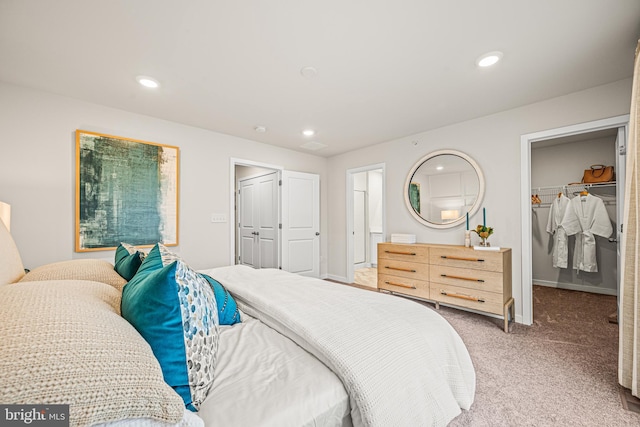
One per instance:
(127, 191)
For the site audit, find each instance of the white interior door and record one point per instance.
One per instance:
(267, 237)
(258, 221)
(621, 173)
(301, 223)
(249, 254)
(359, 228)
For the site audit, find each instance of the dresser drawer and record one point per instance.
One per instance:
(490, 302)
(411, 270)
(402, 285)
(466, 258)
(404, 252)
(489, 281)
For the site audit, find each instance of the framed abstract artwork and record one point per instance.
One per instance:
(126, 191)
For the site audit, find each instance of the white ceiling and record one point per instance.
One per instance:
(386, 68)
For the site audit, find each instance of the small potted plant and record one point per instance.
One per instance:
(484, 232)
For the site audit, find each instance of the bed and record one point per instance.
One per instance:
(399, 361)
(307, 352)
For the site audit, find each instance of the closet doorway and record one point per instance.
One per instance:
(365, 223)
(553, 163)
(257, 217)
(276, 218)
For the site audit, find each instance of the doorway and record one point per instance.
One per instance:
(365, 222)
(532, 179)
(276, 218)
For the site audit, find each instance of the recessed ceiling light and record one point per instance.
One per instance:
(260, 129)
(147, 81)
(308, 132)
(489, 59)
(439, 168)
(313, 145)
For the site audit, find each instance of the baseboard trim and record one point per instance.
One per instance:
(574, 287)
(337, 278)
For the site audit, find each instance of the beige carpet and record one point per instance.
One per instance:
(561, 371)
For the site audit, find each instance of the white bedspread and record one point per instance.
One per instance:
(401, 363)
(264, 379)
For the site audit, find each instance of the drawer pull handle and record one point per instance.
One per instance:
(402, 285)
(462, 296)
(401, 253)
(408, 270)
(463, 278)
(459, 258)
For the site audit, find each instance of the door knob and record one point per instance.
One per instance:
(317, 233)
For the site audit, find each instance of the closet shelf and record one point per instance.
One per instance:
(544, 196)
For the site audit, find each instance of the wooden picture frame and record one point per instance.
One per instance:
(126, 191)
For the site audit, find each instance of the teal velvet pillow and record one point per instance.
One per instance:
(174, 309)
(158, 257)
(228, 313)
(127, 261)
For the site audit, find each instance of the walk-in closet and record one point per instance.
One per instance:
(587, 259)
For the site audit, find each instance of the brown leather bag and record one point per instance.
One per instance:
(598, 173)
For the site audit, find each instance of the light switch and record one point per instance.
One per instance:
(218, 217)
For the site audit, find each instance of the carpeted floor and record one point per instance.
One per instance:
(561, 371)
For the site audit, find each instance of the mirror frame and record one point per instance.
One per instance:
(476, 204)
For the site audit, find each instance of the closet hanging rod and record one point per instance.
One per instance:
(577, 184)
(547, 204)
(544, 196)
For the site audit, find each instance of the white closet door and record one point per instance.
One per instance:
(267, 237)
(301, 223)
(621, 172)
(258, 206)
(249, 254)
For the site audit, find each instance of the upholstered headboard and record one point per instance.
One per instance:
(11, 268)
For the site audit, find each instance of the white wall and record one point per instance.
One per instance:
(37, 174)
(494, 142)
(375, 201)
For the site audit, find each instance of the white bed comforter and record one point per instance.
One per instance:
(401, 363)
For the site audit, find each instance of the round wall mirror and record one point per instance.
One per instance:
(442, 187)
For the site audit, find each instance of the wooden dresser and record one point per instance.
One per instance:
(451, 275)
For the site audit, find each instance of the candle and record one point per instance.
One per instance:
(467, 220)
(484, 217)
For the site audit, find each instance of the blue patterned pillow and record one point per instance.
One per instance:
(228, 313)
(128, 260)
(174, 309)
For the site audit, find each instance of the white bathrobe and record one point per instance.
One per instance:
(560, 252)
(586, 217)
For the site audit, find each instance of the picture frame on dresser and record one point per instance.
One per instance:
(452, 275)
